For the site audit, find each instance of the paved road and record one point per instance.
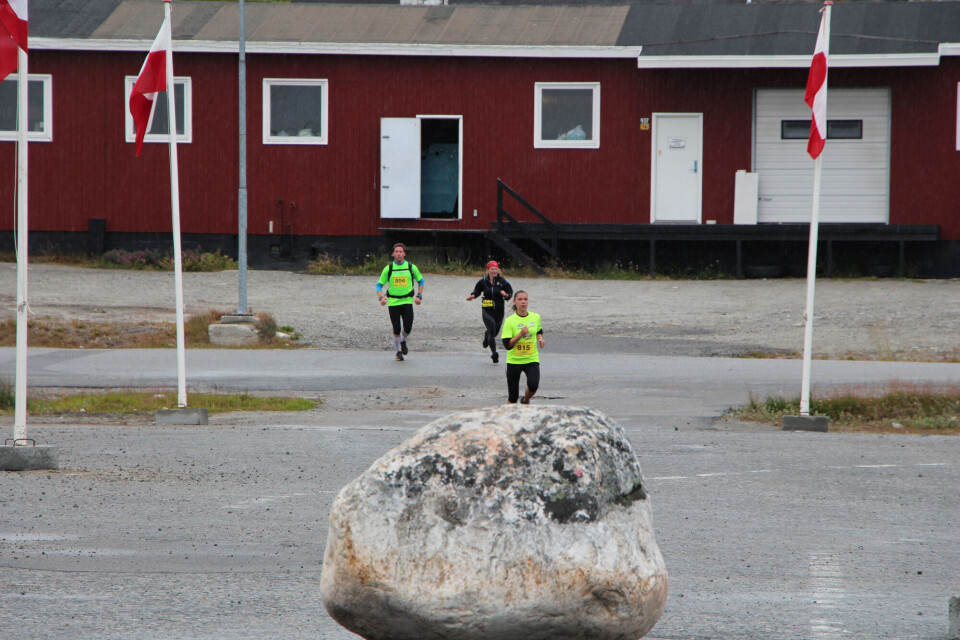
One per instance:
(218, 532)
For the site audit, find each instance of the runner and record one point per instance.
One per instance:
(495, 290)
(399, 277)
(523, 355)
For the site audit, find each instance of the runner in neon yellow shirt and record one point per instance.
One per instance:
(522, 338)
(399, 277)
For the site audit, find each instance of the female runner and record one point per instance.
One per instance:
(522, 338)
(494, 289)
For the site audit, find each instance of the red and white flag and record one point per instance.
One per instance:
(151, 80)
(816, 94)
(13, 34)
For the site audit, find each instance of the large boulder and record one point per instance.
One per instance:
(504, 523)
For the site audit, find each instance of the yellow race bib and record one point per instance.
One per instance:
(487, 303)
(523, 348)
(401, 281)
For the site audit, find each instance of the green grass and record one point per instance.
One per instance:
(327, 265)
(148, 402)
(191, 260)
(898, 408)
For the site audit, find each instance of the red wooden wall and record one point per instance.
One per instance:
(89, 171)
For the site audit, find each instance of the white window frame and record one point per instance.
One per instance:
(538, 142)
(187, 116)
(46, 134)
(268, 83)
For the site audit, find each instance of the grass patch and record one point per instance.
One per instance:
(76, 334)
(191, 260)
(896, 408)
(148, 402)
(910, 355)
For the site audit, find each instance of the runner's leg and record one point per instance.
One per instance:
(490, 335)
(497, 317)
(513, 382)
(395, 321)
(406, 314)
(532, 370)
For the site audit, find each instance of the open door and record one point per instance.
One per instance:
(421, 162)
(399, 168)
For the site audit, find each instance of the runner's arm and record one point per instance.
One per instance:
(477, 290)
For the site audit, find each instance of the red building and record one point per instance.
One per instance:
(624, 126)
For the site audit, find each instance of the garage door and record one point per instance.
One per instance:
(856, 160)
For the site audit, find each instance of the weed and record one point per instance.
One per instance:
(267, 327)
(146, 401)
(897, 407)
(192, 260)
(331, 265)
(8, 396)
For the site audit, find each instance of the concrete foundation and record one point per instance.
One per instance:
(181, 416)
(804, 423)
(954, 633)
(233, 333)
(29, 457)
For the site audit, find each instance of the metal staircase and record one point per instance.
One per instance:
(508, 228)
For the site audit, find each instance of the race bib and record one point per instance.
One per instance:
(487, 303)
(523, 348)
(401, 281)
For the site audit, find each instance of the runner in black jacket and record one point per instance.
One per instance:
(494, 290)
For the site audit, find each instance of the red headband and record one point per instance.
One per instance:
(493, 263)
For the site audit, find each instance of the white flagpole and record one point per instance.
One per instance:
(20, 410)
(812, 251)
(175, 208)
(811, 284)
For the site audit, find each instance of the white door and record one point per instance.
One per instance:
(856, 159)
(677, 166)
(399, 168)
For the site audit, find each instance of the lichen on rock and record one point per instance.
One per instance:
(498, 523)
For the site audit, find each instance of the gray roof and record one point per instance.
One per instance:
(675, 29)
(785, 29)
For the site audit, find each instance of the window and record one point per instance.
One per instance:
(294, 111)
(836, 129)
(566, 115)
(845, 129)
(794, 129)
(39, 108)
(161, 120)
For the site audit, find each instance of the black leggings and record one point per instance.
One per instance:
(532, 369)
(401, 312)
(492, 320)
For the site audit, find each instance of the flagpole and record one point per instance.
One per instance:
(811, 285)
(20, 392)
(175, 209)
(814, 231)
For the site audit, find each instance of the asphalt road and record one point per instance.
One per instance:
(218, 532)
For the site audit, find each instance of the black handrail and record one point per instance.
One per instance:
(502, 214)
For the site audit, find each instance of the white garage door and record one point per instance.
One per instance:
(856, 161)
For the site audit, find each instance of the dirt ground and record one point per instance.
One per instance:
(863, 319)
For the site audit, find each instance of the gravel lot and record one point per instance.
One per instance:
(915, 319)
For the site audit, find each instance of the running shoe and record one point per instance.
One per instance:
(399, 357)
(524, 401)
(495, 357)
(403, 348)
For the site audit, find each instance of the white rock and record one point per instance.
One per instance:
(506, 523)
